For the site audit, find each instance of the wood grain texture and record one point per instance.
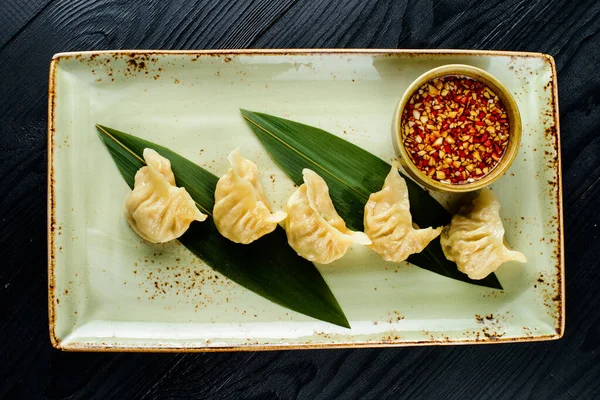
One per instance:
(31, 31)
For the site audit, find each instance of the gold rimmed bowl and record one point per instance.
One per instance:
(514, 129)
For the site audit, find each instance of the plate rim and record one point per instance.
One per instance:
(51, 201)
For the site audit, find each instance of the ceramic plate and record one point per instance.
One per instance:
(110, 290)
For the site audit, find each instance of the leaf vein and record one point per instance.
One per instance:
(352, 188)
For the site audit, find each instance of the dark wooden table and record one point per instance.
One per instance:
(31, 31)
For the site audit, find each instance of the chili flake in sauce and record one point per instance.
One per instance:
(455, 129)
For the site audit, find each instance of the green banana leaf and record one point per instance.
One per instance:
(268, 267)
(352, 174)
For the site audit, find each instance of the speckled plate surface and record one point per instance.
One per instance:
(109, 290)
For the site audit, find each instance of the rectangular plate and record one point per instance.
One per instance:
(110, 290)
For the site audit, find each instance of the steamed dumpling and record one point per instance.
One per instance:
(388, 221)
(475, 238)
(242, 213)
(314, 228)
(156, 209)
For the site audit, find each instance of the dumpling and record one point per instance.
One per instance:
(475, 238)
(314, 228)
(388, 222)
(242, 213)
(156, 209)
